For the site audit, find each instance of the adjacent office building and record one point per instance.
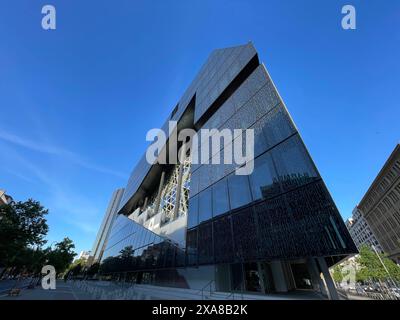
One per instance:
(103, 233)
(197, 225)
(380, 206)
(361, 232)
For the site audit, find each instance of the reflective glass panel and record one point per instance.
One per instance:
(193, 212)
(293, 165)
(239, 190)
(263, 180)
(220, 197)
(205, 208)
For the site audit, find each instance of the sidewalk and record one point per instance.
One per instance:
(63, 291)
(99, 290)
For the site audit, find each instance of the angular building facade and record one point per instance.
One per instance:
(193, 225)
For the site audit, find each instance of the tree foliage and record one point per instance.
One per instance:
(76, 267)
(371, 267)
(337, 274)
(62, 256)
(23, 228)
(22, 225)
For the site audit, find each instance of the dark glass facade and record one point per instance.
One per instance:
(282, 211)
(131, 247)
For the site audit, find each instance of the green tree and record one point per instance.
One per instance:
(61, 257)
(29, 260)
(76, 267)
(371, 267)
(337, 274)
(22, 225)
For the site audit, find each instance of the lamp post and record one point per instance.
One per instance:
(381, 261)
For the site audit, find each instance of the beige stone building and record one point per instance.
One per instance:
(381, 206)
(4, 198)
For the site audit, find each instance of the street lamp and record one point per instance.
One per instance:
(381, 261)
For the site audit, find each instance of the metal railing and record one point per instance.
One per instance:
(235, 290)
(209, 284)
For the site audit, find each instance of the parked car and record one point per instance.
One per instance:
(395, 292)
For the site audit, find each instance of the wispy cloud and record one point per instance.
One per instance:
(19, 175)
(57, 151)
(89, 228)
(69, 206)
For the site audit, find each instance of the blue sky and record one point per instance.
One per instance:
(77, 102)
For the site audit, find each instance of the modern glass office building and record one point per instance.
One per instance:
(192, 225)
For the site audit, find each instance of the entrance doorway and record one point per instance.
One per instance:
(252, 277)
(301, 276)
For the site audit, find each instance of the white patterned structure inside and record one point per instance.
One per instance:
(169, 193)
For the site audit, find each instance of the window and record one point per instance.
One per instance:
(387, 202)
(393, 196)
(205, 209)
(205, 243)
(140, 238)
(262, 182)
(391, 176)
(146, 238)
(293, 164)
(278, 126)
(220, 197)
(193, 212)
(397, 167)
(239, 190)
(222, 233)
(191, 249)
